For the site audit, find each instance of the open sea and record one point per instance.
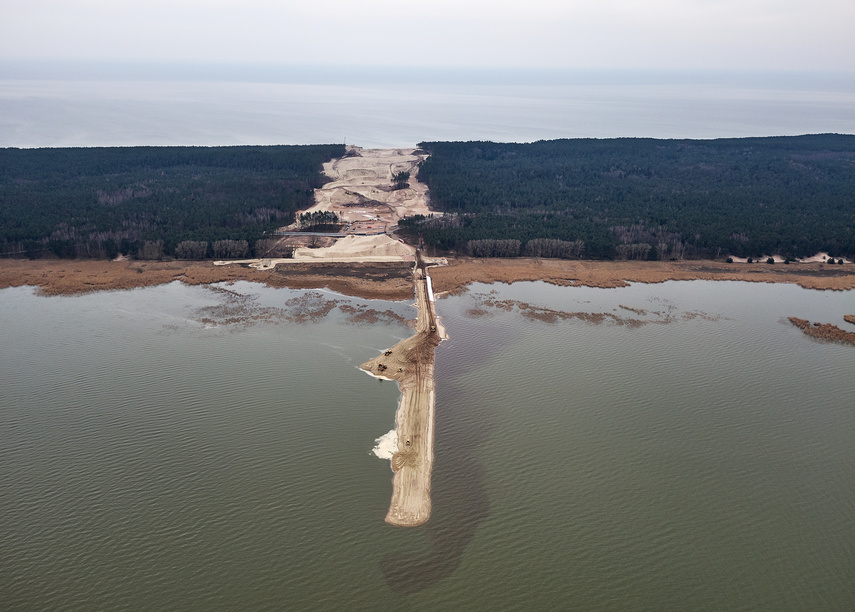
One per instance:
(112, 105)
(677, 446)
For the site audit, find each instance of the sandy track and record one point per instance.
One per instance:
(362, 195)
(361, 190)
(360, 247)
(411, 363)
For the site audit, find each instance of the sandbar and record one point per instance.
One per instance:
(411, 363)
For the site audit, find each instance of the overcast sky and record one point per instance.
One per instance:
(681, 34)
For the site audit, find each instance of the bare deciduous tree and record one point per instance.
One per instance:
(191, 249)
(230, 249)
(151, 249)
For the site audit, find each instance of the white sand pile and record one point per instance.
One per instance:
(822, 257)
(358, 247)
(386, 445)
(818, 258)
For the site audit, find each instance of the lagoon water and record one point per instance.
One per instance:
(189, 448)
(123, 106)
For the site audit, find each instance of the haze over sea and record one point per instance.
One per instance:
(76, 104)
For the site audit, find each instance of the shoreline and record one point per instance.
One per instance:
(460, 272)
(386, 280)
(393, 280)
(410, 362)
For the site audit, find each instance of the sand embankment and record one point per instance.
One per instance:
(411, 363)
(361, 192)
(360, 248)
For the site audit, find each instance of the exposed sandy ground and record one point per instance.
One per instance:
(820, 258)
(350, 249)
(361, 194)
(361, 191)
(411, 363)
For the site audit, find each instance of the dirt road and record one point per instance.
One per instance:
(362, 191)
(411, 363)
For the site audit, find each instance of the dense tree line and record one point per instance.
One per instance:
(493, 248)
(152, 202)
(325, 219)
(400, 180)
(645, 198)
(554, 249)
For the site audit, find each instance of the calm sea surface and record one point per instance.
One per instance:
(120, 108)
(665, 447)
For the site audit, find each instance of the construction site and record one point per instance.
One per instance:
(370, 191)
(411, 364)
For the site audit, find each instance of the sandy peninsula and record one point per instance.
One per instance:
(411, 363)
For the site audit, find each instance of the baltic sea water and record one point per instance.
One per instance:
(674, 446)
(126, 107)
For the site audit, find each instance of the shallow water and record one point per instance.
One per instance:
(181, 448)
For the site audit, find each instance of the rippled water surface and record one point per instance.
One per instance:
(675, 446)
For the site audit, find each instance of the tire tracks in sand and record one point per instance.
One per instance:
(411, 363)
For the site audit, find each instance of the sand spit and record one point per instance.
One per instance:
(367, 200)
(825, 332)
(849, 319)
(411, 363)
(357, 247)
